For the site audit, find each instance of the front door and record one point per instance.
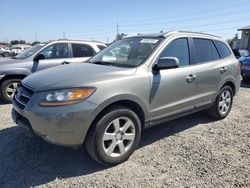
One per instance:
(55, 55)
(173, 90)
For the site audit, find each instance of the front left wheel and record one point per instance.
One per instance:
(8, 88)
(114, 136)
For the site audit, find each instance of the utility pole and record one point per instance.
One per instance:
(107, 40)
(35, 37)
(63, 34)
(117, 28)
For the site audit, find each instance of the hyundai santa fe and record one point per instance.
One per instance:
(135, 83)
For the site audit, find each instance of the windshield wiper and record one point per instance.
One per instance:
(113, 64)
(103, 63)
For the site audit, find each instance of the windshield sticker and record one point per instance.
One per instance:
(152, 41)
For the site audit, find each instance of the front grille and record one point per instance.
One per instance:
(22, 96)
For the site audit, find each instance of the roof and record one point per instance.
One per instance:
(244, 28)
(79, 40)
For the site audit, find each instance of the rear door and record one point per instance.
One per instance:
(81, 53)
(208, 70)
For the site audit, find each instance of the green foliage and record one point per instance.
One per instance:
(13, 42)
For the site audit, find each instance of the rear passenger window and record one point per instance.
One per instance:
(203, 50)
(178, 48)
(222, 48)
(82, 50)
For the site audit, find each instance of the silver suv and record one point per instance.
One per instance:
(43, 56)
(135, 83)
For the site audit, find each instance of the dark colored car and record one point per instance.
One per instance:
(245, 68)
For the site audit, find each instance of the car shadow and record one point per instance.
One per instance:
(28, 161)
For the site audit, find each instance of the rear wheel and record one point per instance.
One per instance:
(6, 54)
(223, 103)
(115, 136)
(8, 89)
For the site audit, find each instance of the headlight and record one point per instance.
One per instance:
(67, 96)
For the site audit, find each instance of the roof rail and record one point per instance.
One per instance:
(83, 40)
(193, 32)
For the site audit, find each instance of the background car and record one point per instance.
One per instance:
(6, 52)
(245, 65)
(42, 56)
(17, 49)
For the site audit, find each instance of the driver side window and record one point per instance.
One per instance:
(56, 51)
(178, 48)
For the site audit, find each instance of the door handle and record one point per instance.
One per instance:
(65, 63)
(223, 70)
(191, 78)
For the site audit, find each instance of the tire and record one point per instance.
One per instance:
(222, 104)
(120, 142)
(6, 54)
(5, 93)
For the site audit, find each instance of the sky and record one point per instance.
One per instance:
(44, 20)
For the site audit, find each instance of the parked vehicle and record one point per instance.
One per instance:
(19, 48)
(42, 56)
(134, 83)
(245, 66)
(6, 52)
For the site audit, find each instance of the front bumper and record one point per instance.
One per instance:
(65, 125)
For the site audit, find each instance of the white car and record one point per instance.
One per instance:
(17, 49)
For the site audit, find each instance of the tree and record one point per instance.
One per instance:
(22, 42)
(230, 41)
(13, 42)
(34, 43)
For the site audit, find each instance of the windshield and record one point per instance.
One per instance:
(30, 51)
(129, 52)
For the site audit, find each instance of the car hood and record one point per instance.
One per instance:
(78, 75)
(4, 62)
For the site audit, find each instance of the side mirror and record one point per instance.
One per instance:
(166, 63)
(39, 57)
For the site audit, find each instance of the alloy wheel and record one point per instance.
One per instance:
(118, 137)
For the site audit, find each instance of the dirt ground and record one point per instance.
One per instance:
(192, 151)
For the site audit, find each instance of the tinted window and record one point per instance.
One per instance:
(82, 50)
(203, 50)
(101, 47)
(215, 51)
(178, 48)
(223, 49)
(56, 51)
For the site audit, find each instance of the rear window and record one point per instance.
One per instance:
(82, 50)
(203, 50)
(223, 49)
(101, 47)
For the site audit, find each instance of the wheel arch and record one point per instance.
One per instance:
(14, 76)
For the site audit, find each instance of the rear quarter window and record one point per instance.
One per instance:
(101, 47)
(223, 49)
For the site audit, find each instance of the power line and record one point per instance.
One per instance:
(184, 20)
(192, 13)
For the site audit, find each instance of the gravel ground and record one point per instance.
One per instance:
(193, 151)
